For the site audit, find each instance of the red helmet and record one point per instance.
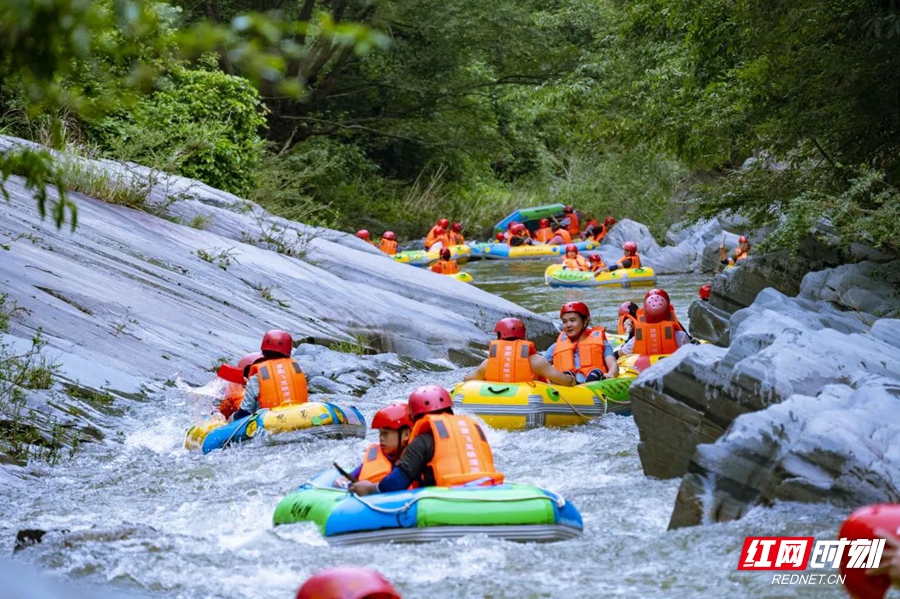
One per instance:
(457, 227)
(742, 239)
(609, 221)
(499, 236)
(571, 248)
(624, 308)
(347, 582)
(389, 235)
(445, 254)
(568, 209)
(394, 417)
(630, 246)
(661, 292)
(544, 222)
(512, 225)
(249, 359)
(595, 257)
(439, 231)
(277, 341)
(865, 523)
(510, 328)
(363, 234)
(656, 308)
(704, 292)
(443, 223)
(577, 307)
(518, 228)
(428, 399)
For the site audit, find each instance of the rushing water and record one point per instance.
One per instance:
(147, 516)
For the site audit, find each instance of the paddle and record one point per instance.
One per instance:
(230, 373)
(344, 473)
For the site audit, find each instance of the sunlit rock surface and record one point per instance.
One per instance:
(749, 423)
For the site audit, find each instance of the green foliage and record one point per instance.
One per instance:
(200, 124)
(221, 258)
(121, 185)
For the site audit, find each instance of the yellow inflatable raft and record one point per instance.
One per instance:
(517, 406)
(462, 276)
(557, 276)
(310, 419)
(460, 253)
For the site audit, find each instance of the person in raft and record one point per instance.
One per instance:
(364, 235)
(394, 428)
(444, 449)
(455, 236)
(388, 243)
(630, 259)
(234, 392)
(573, 261)
(518, 235)
(598, 232)
(276, 379)
(445, 266)
(513, 359)
(347, 582)
(581, 350)
(560, 235)
(741, 252)
(654, 331)
(672, 316)
(543, 234)
(571, 222)
(597, 263)
(627, 319)
(704, 292)
(438, 230)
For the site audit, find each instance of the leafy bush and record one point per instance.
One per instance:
(201, 124)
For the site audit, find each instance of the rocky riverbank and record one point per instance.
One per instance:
(796, 401)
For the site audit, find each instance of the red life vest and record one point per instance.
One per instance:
(590, 351)
(461, 451)
(375, 464)
(388, 246)
(654, 339)
(508, 361)
(281, 382)
(234, 395)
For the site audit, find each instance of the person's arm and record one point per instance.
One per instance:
(682, 338)
(627, 348)
(478, 373)
(541, 367)
(250, 403)
(407, 469)
(548, 353)
(609, 358)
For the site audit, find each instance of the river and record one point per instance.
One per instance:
(148, 517)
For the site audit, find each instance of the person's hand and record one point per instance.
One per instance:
(341, 482)
(890, 561)
(363, 487)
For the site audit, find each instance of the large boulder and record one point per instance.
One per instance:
(839, 445)
(709, 323)
(779, 347)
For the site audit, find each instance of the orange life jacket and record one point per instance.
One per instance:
(508, 361)
(656, 338)
(234, 395)
(446, 267)
(635, 261)
(574, 227)
(388, 246)
(590, 351)
(375, 464)
(544, 234)
(564, 234)
(600, 232)
(622, 319)
(576, 263)
(456, 238)
(461, 451)
(281, 382)
(595, 266)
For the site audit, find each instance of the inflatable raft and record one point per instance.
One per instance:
(462, 276)
(517, 406)
(307, 420)
(459, 253)
(503, 251)
(530, 216)
(557, 276)
(509, 511)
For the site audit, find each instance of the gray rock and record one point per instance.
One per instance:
(867, 288)
(838, 446)
(709, 323)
